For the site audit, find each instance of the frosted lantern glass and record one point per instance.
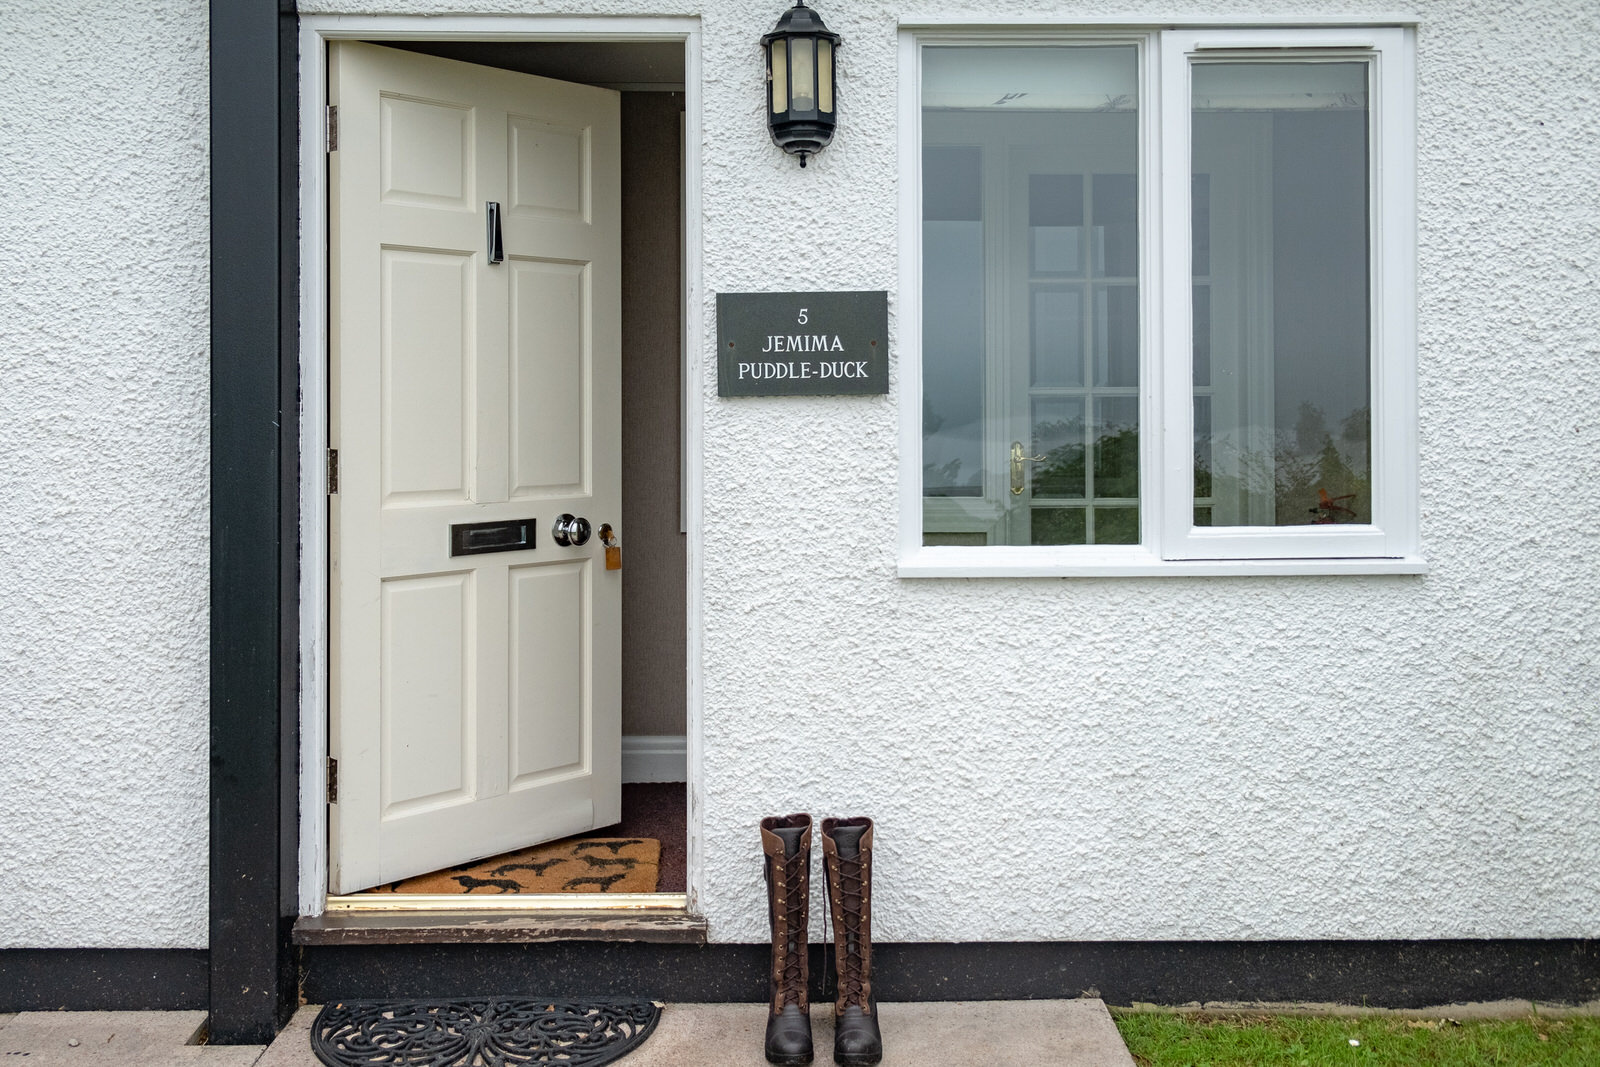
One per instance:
(824, 75)
(802, 93)
(779, 50)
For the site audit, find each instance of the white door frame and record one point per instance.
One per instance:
(315, 32)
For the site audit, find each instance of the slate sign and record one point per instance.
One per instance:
(802, 344)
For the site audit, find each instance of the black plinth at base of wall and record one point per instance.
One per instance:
(103, 979)
(1379, 974)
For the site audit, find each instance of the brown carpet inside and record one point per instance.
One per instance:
(658, 810)
(655, 817)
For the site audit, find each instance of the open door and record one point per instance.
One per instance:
(475, 664)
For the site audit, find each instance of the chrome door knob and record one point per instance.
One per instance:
(570, 531)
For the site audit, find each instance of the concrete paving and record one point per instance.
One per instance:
(1036, 1033)
(116, 1039)
(1014, 1033)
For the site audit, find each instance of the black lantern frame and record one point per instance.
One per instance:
(802, 82)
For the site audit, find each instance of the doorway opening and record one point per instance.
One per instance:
(648, 78)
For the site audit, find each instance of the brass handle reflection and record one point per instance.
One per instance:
(1018, 458)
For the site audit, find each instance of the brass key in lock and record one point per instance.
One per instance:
(608, 537)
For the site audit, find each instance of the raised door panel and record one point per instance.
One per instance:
(427, 348)
(426, 699)
(425, 153)
(550, 169)
(551, 702)
(549, 375)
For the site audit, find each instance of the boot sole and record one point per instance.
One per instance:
(790, 1061)
(858, 1061)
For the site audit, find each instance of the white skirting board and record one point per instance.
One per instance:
(655, 758)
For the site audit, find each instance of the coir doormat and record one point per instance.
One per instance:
(577, 865)
(480, 1032)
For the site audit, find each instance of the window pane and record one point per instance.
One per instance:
(1116, 526)
(1008, 79)
(1030, 288)
(1116, 335)
(1055, 223)
(1200, 218)
(1281, 170)
(1057, 331)
(1116, 447)
(1059, 526)
(1058, 436)
(952, 324)
(967, 540)
(1116, 225)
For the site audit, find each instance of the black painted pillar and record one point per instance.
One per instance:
(254, 517)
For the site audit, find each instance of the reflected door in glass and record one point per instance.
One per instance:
(1031, 347)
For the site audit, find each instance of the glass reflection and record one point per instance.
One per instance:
(1031, 339)
(1281, 329)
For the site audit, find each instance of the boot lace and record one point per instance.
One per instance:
(793, 982)
(852, 977)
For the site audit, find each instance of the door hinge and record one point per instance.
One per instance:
(333, 127)
(333, 780)
(333, 471)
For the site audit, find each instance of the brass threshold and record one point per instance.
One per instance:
(509, 902)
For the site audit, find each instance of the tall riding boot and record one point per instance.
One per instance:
(786, 843)
(847, 872)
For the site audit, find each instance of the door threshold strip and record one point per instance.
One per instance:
(510, 902)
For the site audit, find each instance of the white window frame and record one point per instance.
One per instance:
(1170, 545)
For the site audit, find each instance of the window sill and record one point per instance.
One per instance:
(1131, 562)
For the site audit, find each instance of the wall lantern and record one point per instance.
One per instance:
(800, 82)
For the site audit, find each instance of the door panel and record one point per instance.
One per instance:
(427, 304)
(547, 611)
(476, 698)
(549, 169)
(425, 706)
(425, 151)
(547, 375)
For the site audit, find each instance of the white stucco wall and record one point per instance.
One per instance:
(1218, 758)
(1183, 758)
(1361, 757)
(103, 474)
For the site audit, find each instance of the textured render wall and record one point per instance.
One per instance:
(1183, 758)
(103, 474)
(1180, 758)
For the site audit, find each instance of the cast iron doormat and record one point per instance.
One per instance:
(480, 1032)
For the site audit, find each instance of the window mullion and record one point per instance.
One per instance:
(1172, 382)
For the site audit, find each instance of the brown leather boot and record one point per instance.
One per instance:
(847, 872)
(786, 843)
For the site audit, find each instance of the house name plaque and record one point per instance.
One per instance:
(802, 344)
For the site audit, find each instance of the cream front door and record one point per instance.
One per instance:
(475, 664)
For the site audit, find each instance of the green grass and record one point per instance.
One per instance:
(1224, 1040)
